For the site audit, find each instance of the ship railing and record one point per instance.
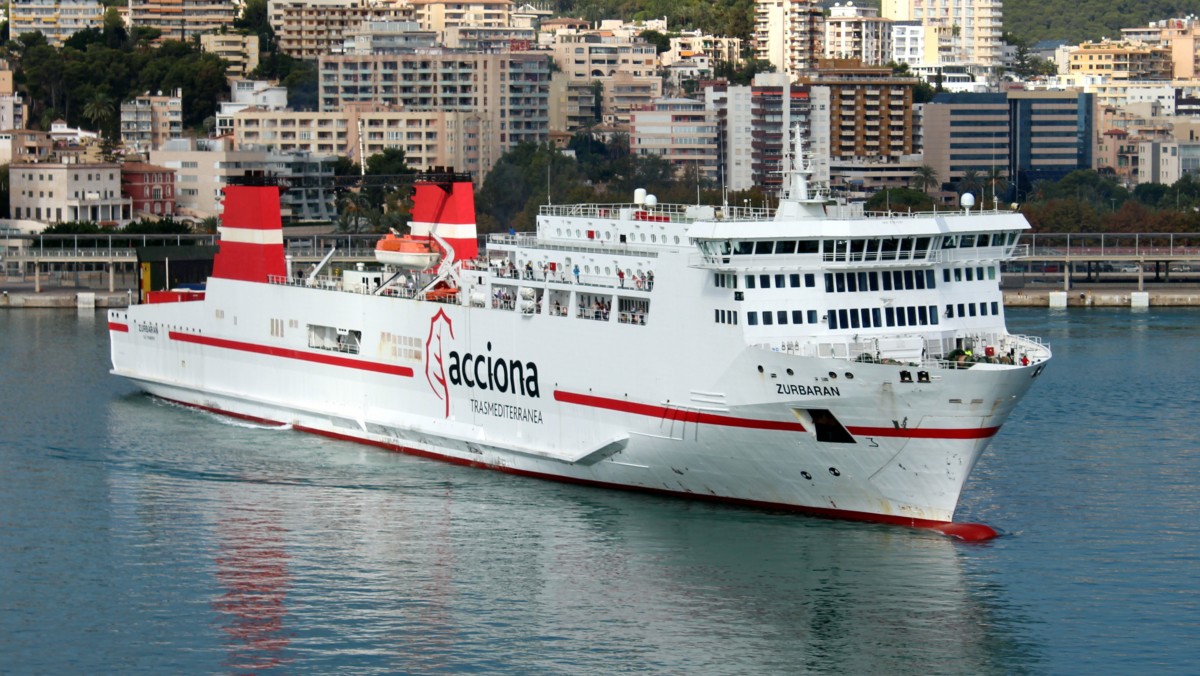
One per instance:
(957, 351)
(938, 212)
(530, 241)
(563, 276)
(328, 283)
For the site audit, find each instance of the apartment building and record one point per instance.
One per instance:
(870, 111)
(429, 138)
(56, 19)
(56, 192)
(309, 29)
(574, 104)
(150, 189)
(444, 18)
(241, 51)
(182, 19)
(625, 68)
(789, 34)
(148, 121)
(508, 90)
(1120, 61)
(966, 32)
(853, 32)
(681, 131)
(25, 145)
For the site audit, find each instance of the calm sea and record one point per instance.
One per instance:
(140, 537)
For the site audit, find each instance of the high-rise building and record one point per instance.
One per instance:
(967, 32)
(870, 111)
(148, 121)
(853, 32)
(681, 131)
(309, 29)
(789, 34)
(182, 19)
(56, 19)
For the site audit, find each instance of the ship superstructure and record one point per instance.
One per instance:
(808, 357)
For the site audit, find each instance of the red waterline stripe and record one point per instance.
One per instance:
(674, 413)
(122, 328)
(285, 353)
(945, 527)
(925, 432)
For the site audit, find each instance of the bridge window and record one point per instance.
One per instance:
(788, 247)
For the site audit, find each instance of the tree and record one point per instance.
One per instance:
(100, 111)
(924, 178)
(662, 43)
(971, 182)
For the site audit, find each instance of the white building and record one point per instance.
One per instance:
(788, 34)
(853, 32)
(55, 192)
(967, 31)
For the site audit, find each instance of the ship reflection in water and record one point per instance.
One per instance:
(414, 566)
(252, 569)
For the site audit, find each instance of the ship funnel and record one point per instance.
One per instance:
(251, 232)
(446, 207)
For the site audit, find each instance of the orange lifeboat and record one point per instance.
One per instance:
(406, 253)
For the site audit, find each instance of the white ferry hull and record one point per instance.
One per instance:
(592, 421)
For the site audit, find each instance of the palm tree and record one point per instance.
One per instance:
(99, 111)
(997, 179)
(924, 178)
(354, 211)
(971, 182)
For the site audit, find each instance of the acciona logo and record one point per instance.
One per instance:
(481, 371)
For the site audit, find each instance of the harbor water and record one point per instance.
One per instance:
(139, 537)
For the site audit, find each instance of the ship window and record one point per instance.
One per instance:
(958, 274)
(933, 314)
(752, 318)
(808, 246)
(763, 247)
(900, 319)
(827, 428)
(735, 314)
(970, 274)
(781, 317)
(908, 279)
(983, 309)
(854, 319)
(979, 273)
(966, 241)
(764, 281)
(919, 279)
(832, 317)
(717, 316)
(887, 280)
(828, 282)
(949, 311)
(797, 316)
(810, 280)
(875, 317)
(991, 272)
(912, 316)
(856, 249)
(930, 280)
(874, 279)
(898, 279)
(787, 247)
(851, 282)
(890, 314)
(334, 339)
(749, 281)
(812, 316)
(962, 310)
(794, 280)
(950, 242)
(923, 315)
(946, 275)
(922, 247)
(971, 309)
(840, 278)
(995, 307)
(872, 252)
(843, 319)
(906, 247)
(862, 281)
(767, 319)
(743, 248)
(779, 279)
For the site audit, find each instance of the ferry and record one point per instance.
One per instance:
(809, 357)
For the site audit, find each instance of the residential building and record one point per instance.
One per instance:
(444, 18)
(777, 108)
(1121, 61)
(150, 188)
(148, 121)
(853, 32)
(788, 34)
(241, 51)
(626, 68)
(182, 19)
(870, 111)
(909, 44)
(429, 138)
(264, 94)
(689, 44)
(25, 145)
(966, 32)
(574, 104)
(680, 131)
(54, 192)
(56, 19)
(1177, 159)
(387, 37)
(731, 103)
(309, 29)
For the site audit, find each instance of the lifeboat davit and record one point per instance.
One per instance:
(406, 253)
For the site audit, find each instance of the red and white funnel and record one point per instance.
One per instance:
(251, 242)
(447, 208)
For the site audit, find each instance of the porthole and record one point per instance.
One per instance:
(832, 375)
(760, 368)
(849, 375)
(834, 471)
(607, 270)
(677, 239)
(558, 231)
(790, 373)
(643, 237)
(806, 475)
(654, 238)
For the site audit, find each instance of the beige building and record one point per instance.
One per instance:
(25, 145)
(241, 51)
(857, 33)
(870, 112)
(625, 68)
(788, 34)
(56, 19)
(1121, 61)
(967, 32)
(58, 193)
(680, 131)
(309, 29)
(182, 19)
(444, 18)
(429, 138)
(149, 121)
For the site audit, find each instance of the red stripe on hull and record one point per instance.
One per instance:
(120, 328)
(925, 433)
(963, 531)
(286, 353)
(653, 411)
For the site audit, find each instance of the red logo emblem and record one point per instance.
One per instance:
(435, 365)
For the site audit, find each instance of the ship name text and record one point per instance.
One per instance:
(519, 413)
(807, 390)
(148, 328)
